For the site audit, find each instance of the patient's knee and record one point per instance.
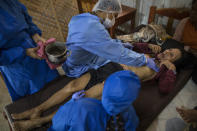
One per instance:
(95, 91)
(80, 83)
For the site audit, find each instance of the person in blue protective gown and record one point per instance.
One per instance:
(91, 45)
(113, 112)
(86, 114)
(23, 71)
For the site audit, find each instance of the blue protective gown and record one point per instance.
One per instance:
(92, 47)
(85, 114)
(23, 75)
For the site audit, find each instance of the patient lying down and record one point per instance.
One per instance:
(93, 83)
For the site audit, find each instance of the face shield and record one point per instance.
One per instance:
(108, 6)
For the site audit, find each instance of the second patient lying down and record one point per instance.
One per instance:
(171, 56)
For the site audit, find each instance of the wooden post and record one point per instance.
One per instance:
(133, 21)
(152, 14)
(80, 9)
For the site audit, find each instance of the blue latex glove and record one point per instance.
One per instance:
(151, 64)
(128, 46)
(78, 95)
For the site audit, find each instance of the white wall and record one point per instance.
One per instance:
(143, 7)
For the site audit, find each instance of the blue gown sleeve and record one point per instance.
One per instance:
(11, 55)
(93, 37)
(33, 29)
(114, 50)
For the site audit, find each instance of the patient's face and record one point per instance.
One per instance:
(170, 54)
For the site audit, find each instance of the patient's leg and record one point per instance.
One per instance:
(30, 124)
(57, 98)
(95, 91)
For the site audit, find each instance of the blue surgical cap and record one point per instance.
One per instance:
(120, 90)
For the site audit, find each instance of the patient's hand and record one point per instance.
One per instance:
(168, 64)
(154, 48)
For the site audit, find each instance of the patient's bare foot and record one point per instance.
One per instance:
(188, 115)
(30, 124)
(25, 125)
(29, 114)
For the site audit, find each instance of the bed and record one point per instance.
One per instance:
(148, 105)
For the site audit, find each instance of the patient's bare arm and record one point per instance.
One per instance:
(58, 97)
(144, 73)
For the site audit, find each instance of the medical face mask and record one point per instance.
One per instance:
(109, 23)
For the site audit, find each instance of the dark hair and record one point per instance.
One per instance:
(187, 60)
(193, 2)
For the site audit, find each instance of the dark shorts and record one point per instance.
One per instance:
(101, 74)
